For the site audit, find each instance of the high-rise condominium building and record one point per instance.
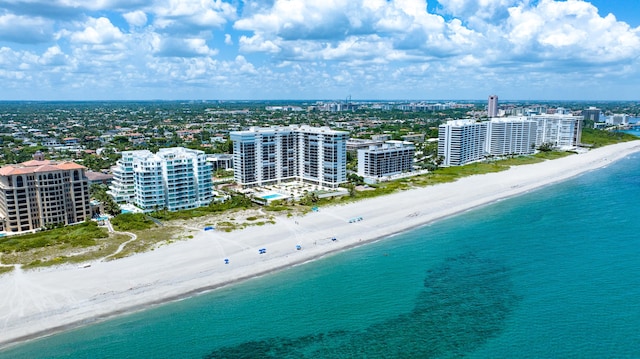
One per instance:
(390, 158)
(511, 136)
(461, 141)
(464, 141)
(37, 193)
(559, 129)
(268, 155)
(173, 179)
(593, 113)
(492, 108)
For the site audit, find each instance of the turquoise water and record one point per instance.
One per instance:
(551, 274)
(271, 196)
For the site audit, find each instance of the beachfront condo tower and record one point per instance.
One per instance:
(464, 141)
(38, 193)
(173, 178)
(270, 155)
(511, 136)
(559, 129)
(388, 159)
(461, 141)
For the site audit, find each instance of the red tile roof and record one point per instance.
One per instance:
(34, 166)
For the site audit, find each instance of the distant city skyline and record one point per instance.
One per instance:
(304, 49)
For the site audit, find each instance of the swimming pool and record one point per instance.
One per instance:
(272, 196)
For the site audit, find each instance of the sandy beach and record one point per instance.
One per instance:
(41, 302)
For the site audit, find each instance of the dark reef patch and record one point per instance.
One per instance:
(465, 302)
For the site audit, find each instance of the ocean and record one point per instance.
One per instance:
(554, 273)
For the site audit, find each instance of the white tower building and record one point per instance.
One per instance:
(265, 155)
(461, 141)
(173, 179)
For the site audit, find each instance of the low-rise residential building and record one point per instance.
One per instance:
(38, 193)
(220, 161)
(99, 178)
(617, 119)
(388, 159)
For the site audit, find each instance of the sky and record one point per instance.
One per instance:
(319, 49)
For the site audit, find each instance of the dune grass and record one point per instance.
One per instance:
(84, 234)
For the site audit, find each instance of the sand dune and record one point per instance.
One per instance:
(40, 302)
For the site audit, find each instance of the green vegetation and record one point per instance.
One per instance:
(437, 176)
(276, 206)
(222, 173)
(61, 253)
(6, 269)
(81, 235)
(99, 192)
(149, 239)
(132, 221)
(553, 154)
(226, 226)
(599, 138)
(236, 201)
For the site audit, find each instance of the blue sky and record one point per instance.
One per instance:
(311, 49)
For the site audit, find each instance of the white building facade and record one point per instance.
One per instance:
(388, 159)
(464, 141)
(269, 155)
(559, 129)
(174, 179)
(122, 187)
(617, 120)
(461, 141)
(511, 136)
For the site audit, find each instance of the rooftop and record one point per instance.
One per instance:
(35, 166)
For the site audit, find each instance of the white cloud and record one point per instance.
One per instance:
(399, 29)
(478, 11)
(53, 57)
(244, 66)
(393, 47)
(180, 47)
(573, 29)
(23, 29)
(136, 18)
(97, 31)
(191, 15)
(257, 44)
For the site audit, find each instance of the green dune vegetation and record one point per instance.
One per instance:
(598, 138)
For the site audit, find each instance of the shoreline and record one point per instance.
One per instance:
(44, 302)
